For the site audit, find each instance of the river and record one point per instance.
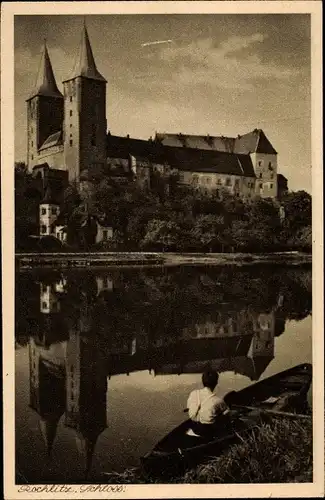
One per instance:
(105, 359)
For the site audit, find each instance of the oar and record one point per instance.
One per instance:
(273, 412)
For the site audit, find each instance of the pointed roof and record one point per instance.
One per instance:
(48, 429)
(86, 447)
(45, 83)
(253, 142)
(85, 63)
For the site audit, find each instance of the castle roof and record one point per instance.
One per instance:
(205, 142)
(53, 140)
(252, 142)
(45, 84)
(182, 158)
(85, 63)
(195, 160)
(123, 147)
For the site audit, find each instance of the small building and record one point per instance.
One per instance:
(104, 231)
(61, 233)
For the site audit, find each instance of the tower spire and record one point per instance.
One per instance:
(45, 83)
(85, 62)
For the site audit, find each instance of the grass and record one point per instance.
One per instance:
(276, 452)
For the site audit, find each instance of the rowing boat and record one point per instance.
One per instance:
(281, 392)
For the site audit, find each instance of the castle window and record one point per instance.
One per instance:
(43, 211)
(32, 157)
(71, 98)
(43, 229)
(271, 186)
(32, 143)
(54, 210)
(272, 176)
(70, 112)
(31, 129)
(261, 186)
(44, 305)
(219, 182)
(70, 125)
(228, 181)
(71, 142)
(104, 235)
(260, 163)
(261, 175)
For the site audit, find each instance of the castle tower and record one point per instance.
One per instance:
(42, 383)
(85, 114)
(44, 109)
(86, 387)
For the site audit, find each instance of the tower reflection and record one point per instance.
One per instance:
(84, 329)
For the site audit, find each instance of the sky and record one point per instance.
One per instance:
(217, 74)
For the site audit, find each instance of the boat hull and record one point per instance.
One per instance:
(178, 451)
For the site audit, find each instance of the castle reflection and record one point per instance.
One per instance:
(82, 329)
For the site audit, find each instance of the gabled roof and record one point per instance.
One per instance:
(206, 142)
(53, 140)
(45, 84)
(85, 63)
(195, 160)
(183, 158)
(123, 147)
(253, 142)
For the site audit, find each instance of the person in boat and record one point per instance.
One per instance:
(206, 410)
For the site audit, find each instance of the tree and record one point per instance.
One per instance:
(27, 199)
(297, 209)
(207, 232)
(161, 234)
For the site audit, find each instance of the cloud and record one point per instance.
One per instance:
(233, 64)
(157, 42)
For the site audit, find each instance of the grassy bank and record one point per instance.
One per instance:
(277, 452)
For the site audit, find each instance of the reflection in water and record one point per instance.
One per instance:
(84, 328)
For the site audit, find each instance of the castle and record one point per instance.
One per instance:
(67, 139)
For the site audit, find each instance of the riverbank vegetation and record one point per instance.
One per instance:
(276, 452)
(184, 220)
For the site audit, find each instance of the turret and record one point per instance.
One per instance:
(44, 109)
(85, 114)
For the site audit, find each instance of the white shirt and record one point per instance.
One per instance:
(204, 406)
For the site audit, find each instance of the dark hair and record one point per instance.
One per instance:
(210, 379)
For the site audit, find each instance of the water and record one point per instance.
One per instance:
(105, 360)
